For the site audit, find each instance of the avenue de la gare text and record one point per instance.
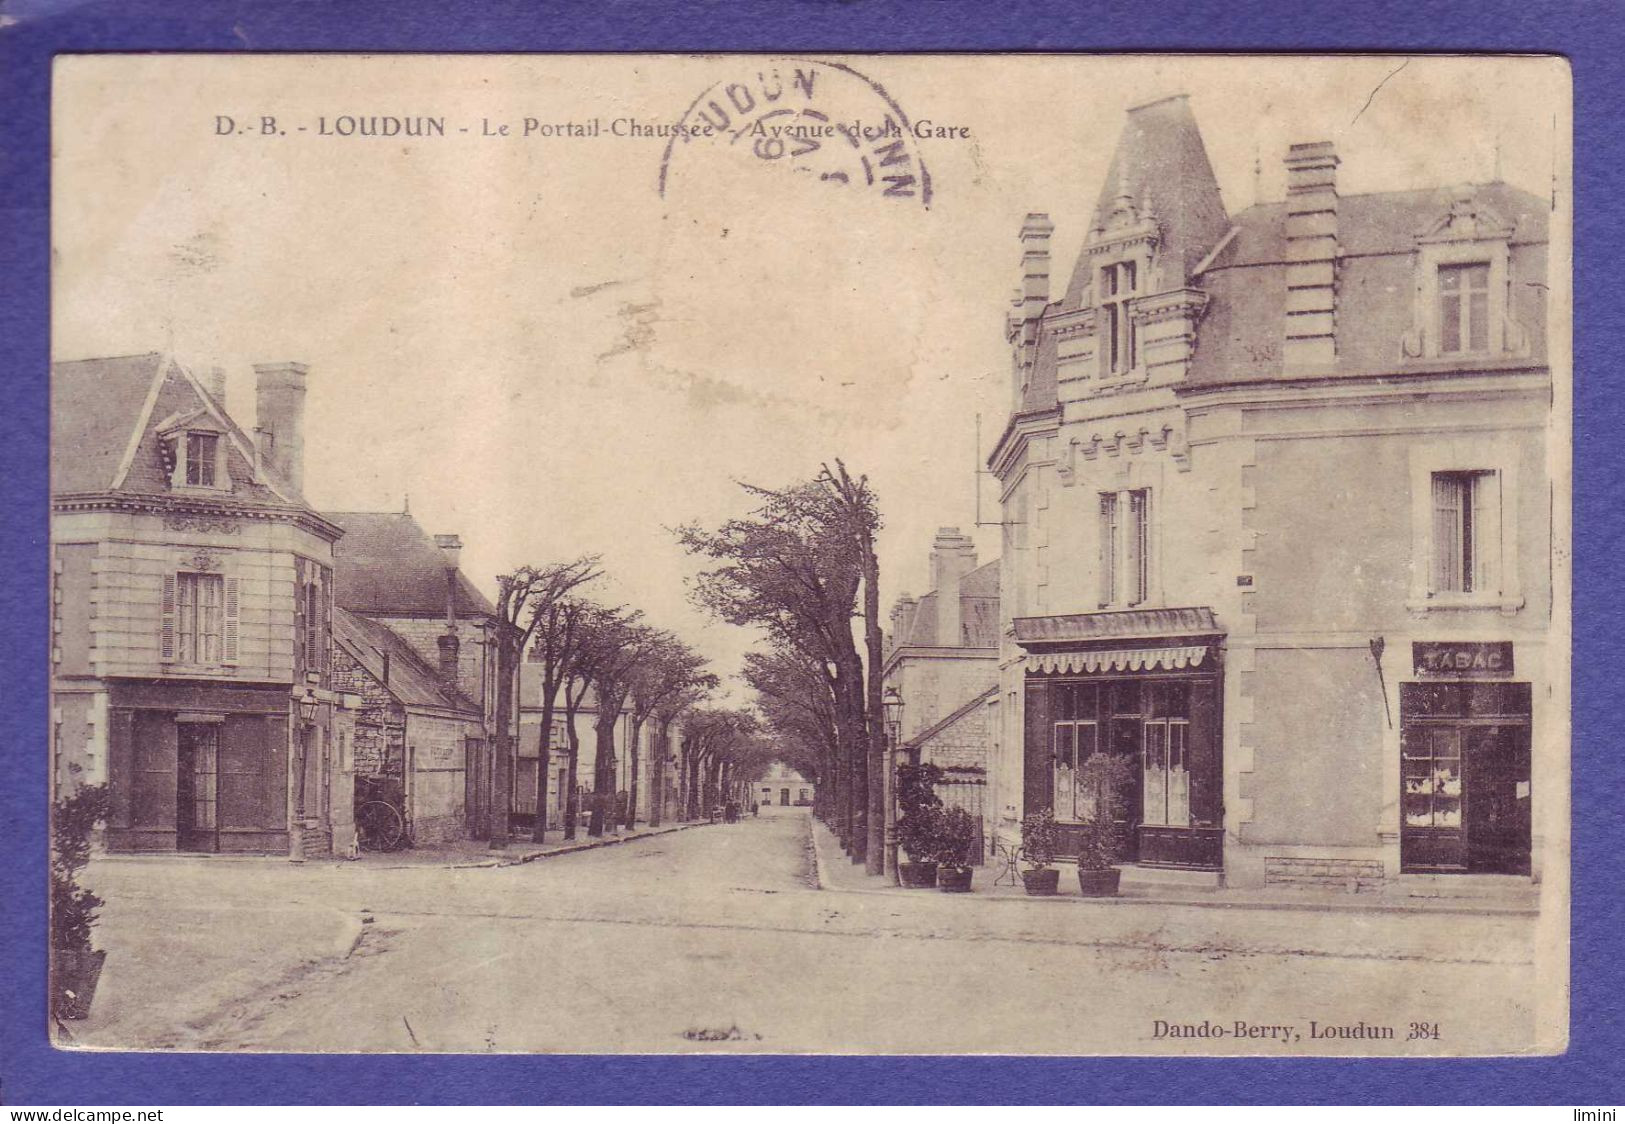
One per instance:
(358, 125)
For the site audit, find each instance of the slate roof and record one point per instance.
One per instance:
(411, 680)
(978, 613)
(387, 565)
(1246, 281)
(100, 407)
(1161, 163)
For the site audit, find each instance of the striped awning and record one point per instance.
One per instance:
(1118, 659)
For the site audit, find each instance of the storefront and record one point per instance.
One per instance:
(199, 767)
(1145, 685)
(1465, 735)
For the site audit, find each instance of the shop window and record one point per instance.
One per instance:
(1464, 307)
(1166, 783)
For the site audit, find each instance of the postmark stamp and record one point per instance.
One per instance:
(821, 119)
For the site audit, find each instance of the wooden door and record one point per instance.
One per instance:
(197, 826)
(152, 779)
(1497, 813)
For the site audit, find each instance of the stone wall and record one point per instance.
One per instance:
(379, 745)
(1351, 875)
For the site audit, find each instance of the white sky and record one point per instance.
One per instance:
(749, 325)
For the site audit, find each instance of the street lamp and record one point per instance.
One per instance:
(892, 704)
(307, 705)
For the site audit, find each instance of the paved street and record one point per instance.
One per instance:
(716, 938)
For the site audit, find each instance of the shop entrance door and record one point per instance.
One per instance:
(1465, 777)
(1496, 767)
(197, 770)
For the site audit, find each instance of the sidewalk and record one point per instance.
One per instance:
(455, 854)
(477, 853)
(836, 871)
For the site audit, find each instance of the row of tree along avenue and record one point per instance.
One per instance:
(800, 567)
(585, 652)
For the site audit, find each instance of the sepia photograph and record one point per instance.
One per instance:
(889, 554)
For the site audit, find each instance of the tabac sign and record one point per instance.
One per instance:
(1463, 658)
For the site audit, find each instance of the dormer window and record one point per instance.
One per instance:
(1464, 307)
(194, 458)
(1119, 284)
(1464, 285)
(202, 453)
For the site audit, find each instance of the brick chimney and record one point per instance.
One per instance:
(215, 383)
(279, 404)
(953, 555)
(902, 619)
(1029, 301)
(1311, 255)
(1035, 235)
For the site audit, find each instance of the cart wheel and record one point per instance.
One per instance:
(378, 826)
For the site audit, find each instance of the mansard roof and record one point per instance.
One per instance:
(1161, 166)
(387, 565)
(1238, 337)
(107, 418)
(409, 678)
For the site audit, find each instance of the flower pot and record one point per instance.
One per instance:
(954, 879)
(1041, 883)
(917, 876)
(74, 974)
(1099, 883)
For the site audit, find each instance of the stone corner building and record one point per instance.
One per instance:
(942, 658)
(1278, 505)
(415, 641)
(192, 588)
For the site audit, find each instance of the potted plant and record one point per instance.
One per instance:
(956, 842)
(75, 965)
(1104, 778)
(919, 809)
(1039, 838)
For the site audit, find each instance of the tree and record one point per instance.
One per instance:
(861, 523)
(670, 679)
(577, 682)
(519, 595)
(792, 568)
(717, 744)
(614, 643)
(795, 695)
(556, 627)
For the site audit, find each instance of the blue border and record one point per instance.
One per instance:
(31, 1073)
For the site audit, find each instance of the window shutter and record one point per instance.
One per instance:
(1108, 548)
(1137, 543)
(1446, 533)
(166, 644)
(1486, 498)
(229, 631)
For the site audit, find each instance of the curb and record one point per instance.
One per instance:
(1366, 907)
(555, 852)
(819, 881)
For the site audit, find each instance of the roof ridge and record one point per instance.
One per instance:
(955, 715)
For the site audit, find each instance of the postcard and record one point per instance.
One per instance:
(801, 554)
